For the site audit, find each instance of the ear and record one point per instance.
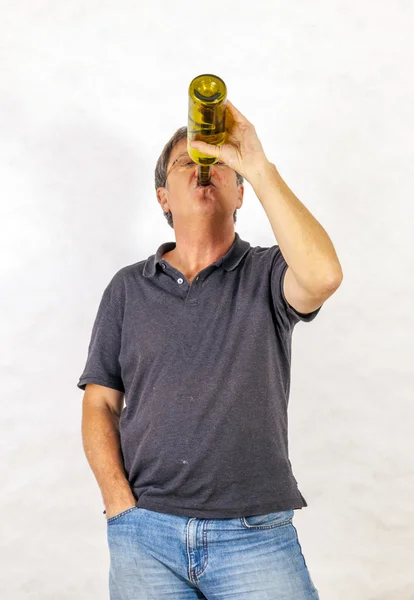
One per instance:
(162, 197)
(240, 193)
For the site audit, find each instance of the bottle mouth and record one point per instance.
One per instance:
(204, 98)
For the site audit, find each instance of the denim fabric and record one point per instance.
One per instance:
(155, 556)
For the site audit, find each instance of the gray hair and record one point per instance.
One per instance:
(161, 168)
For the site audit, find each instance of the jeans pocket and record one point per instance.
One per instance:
(121, 514)
(268, 520)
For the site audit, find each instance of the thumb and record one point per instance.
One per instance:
(205, 148)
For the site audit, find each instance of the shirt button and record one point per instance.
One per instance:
(179, 280)
(163, 265)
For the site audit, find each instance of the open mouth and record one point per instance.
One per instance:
(206, 186)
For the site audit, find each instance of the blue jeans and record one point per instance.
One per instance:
(155, 556)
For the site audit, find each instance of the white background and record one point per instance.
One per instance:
(89, 94)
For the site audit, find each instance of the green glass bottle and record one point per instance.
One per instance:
(207, 95)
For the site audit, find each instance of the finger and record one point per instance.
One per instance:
(235, 111)
(206, 148)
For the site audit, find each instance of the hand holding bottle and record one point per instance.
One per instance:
(242, 150)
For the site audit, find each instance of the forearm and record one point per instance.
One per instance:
(101, 442)
(304, 243)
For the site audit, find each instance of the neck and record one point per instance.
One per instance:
(195, 251)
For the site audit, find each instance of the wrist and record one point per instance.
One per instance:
(119, 500)
(263, 170)
(118, 507)
(267, 178)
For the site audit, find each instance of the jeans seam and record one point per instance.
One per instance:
(246, 525)
(124, 512)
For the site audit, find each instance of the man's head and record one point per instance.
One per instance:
(176, 185)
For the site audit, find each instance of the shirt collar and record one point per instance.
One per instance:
(229, 261)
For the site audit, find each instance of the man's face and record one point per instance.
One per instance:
(187, 201)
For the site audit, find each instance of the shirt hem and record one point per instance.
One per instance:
(107, 382)
(208, 513)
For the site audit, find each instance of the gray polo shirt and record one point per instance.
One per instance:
(205, 368)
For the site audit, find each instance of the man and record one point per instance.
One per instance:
(194, 471)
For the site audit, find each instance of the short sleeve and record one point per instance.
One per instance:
(102, 363)
(286, 312)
